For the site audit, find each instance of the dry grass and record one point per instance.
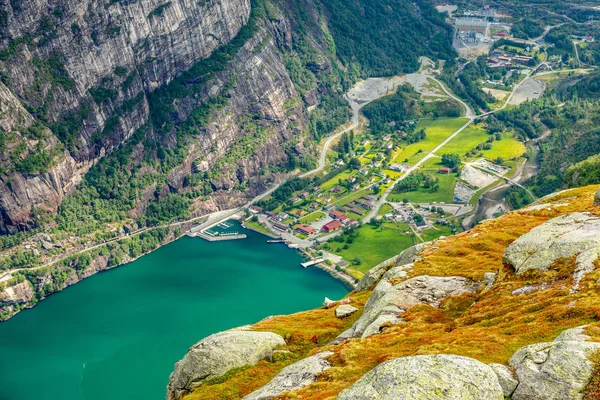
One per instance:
(488, 326)
(303, 333)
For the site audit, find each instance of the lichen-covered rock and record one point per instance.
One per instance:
(293, 377)
(345, 310)
(575, 234)
(505, 378)
(388, 301)
(441, 376)
(558, 370)
(408, 256)
(215, 355)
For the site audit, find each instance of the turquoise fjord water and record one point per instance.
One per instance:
(117, 334)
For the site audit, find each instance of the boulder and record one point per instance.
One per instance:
(345, 310)
(388, 301)
(408, 256)
(558, 370)
(597, 198)
(328, 303)
(293, 377)
(439, 376)
(505, 378)
(215, 355)
(575, 234)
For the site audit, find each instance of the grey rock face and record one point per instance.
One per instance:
(558, 370)
(575, 234)
(388, 302)
(505, 378)
(408, 256)
(217, 354)
(345, 310)
(18, 294)
(441, 376)
(293, 377)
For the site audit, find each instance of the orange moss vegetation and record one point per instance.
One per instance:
(303, 332)
(489, 326)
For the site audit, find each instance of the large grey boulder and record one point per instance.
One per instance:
(558, 370)
(388, 301)
(215, 355)
(407, 256)
(345, 310)
(505, 378)
(597, 198)
(575, 234)
(293, 377)
(427, 377)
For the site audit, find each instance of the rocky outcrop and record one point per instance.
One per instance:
(597, 198)
(20, 293)
(345, 310)
(388, 301)
(293, 377)
(443, 376)
(558, 370)
(575, 234)
(408, 256)
(505, 378)
(215, 355)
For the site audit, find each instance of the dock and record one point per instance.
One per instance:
(276, 241)
(313, 262)
(211, 237)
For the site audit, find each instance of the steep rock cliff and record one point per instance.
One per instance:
(85, 69)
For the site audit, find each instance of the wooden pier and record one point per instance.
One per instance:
(313, 262)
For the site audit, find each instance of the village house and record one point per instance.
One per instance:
(280, 227)
(338, 216)
(270, 214)
(305, 230)
(255, 209)
(332, 226)
(444, 170)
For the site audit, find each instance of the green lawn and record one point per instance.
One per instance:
(386, 208)
(508, 148)
(444, 194)
(442, 230)
(436, 132)
(310, 218)
(257, 227)
(465, 141)
(335, 180)
(374, 245)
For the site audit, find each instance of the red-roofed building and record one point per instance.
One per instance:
(338, 215)
(305, 230)
(332, 226)
(444, 170)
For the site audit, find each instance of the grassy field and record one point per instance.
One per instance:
(258, 227)
(335, 180)
(442, 230)
(436, 132)
(465, 141)
(374, 245)
(310, 218)
(507, 148)
(444, 194)
(386, 208)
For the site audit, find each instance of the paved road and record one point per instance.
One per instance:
(515, 183)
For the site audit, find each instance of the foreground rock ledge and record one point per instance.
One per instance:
(216, 355)
(576, 234)
(440, 376)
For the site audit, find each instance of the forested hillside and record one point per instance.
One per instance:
(387, 37)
